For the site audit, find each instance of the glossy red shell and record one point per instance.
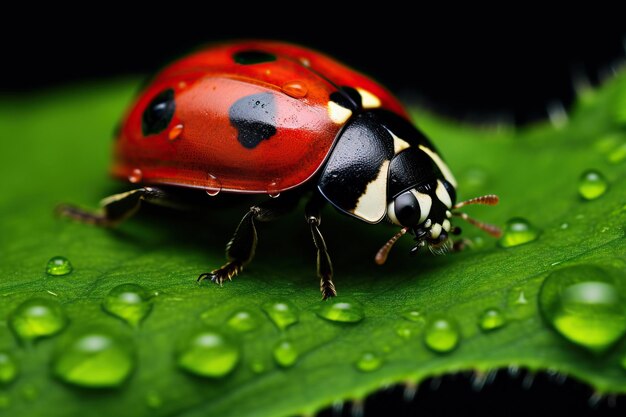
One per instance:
(199, 148)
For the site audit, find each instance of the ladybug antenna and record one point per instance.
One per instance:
(489, 200)
(381, 255)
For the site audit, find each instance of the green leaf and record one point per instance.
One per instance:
(56, 148)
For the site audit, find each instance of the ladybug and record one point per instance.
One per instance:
(285, 122)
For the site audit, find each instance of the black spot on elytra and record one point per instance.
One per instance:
(251, 57)
(254, 118)
(348, 98)
(159, 112)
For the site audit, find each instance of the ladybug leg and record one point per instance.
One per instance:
(324, 265)
(241, 247)
(113, 209)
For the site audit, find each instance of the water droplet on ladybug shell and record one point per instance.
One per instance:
(295, 89)
(175, 132)
(305, 61)
(273, 189)
(213, 185)
(135, 176)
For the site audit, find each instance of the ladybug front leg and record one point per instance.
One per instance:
(324, 265)
(241, 247)
(113, 209)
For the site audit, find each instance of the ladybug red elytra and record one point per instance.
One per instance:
(284, 121)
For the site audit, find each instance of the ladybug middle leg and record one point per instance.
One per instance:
(241, 247)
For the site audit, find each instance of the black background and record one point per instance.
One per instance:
(477, 71)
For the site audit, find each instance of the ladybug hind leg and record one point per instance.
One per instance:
(113, 209)
(241, 247)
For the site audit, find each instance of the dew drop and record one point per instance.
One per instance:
(618, 154)
(415, 316)
(135, 176)
(491, 319)
(213, 185)
(404, 331)
(341, 310)
(369, 362)
(517, 232)
(285, 354)
(257, 366)
(282, 313)
(130, 302)
(273, 189)
(8, 368)
(295, 89)
(208, 353)
(37, 318)
(175, 132)
(586, 305)
(58, 265)
(592, 185)
(243, 321)
(518, 304)
(94, 358)
(441, 334)
(153, 399)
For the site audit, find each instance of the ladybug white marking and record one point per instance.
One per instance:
(398, 144)
(372, 203)
(441, 165)
(425, 202)
(391, 212)
(368, 100)
(446, 225)
(435, 230)
(337, 113)
(442, 194)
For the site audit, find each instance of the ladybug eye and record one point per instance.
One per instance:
(407, 209)
(159, 113)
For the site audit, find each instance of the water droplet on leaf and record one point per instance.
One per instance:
(8, 368)
(441, 334)
(243, 321)
(341, 310)
(282, 313)
(58, 265)
(369, 362)
(415, 316)
(592, 185)
(153, 399)
(285, 354)
(94, 358)
(130, 302)
(37, 318)
(517, 232)
(208, 353)
(404, 331)
(586, 305)
(491, 319)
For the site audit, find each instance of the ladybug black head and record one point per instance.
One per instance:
(425, 211)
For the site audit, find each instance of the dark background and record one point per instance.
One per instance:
(475, 71)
